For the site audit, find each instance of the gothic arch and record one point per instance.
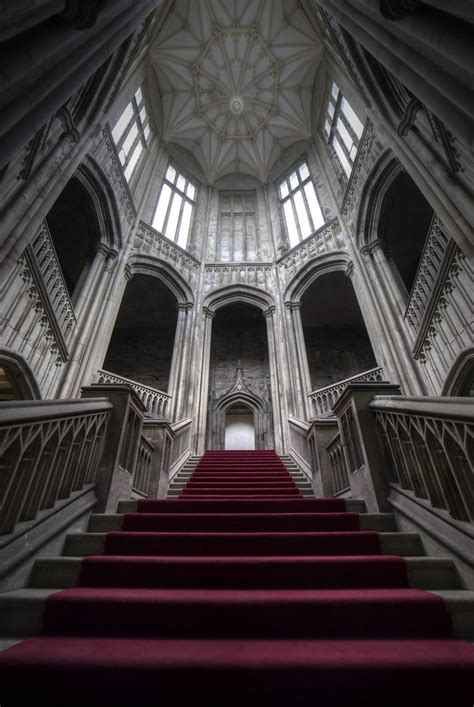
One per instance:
(20, 375)
(230, 294)
(461, 374)
(94, 181)
(148, 265)
(338, 261)
(385, 171)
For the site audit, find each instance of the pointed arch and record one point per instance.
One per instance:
(149, 265)
(337, 261)
(230, 294)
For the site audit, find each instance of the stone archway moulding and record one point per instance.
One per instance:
(337, 261)
(459, 372)
(383, 174)
(230, 294)
(24, 377)
(97, 185)
(150, 265)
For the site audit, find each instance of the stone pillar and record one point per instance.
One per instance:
(388, 299)
(201, 413)
(179, 374)
(275, 383)
(299, 359)
(93, 279)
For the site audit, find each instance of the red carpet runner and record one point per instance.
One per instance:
(242, 589)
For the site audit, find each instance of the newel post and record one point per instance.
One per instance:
(361, 445)
(119, 459)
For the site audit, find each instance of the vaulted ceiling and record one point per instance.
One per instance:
(235, 81)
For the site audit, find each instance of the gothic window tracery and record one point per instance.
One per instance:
(174, 210)
(299, 203)
(131, 133)
(342, 129)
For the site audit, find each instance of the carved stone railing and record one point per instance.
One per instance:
(324, 399)
(326, 239)
(50, 288)
(435, 261)
(339, 472)
(142, 476)
(149, 242)
(181, 449)
(299, 446)
(155, 401)
(429, 444)
(48, 450)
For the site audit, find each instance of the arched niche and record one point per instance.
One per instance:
(142, 342)
(239, 427)
(83, 219)
(336, 338)
(460, 379)
(395, 212)
(17, 381)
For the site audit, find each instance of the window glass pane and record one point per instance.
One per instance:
(181, 182)
(354, 121)
(130, 139)
(353, 153)
(331, 109)
(185, 224)
(139, 95)
(334, 90)
(290, 223)
(284, 191)
(314, 208)
(133, 161)
(293, 180)
(143, 114)
(190, 191)
(344, 134)
(171, 174)
(122, 123)
(146, 131)
(304, 171)
(172, 224)
(122, 157)
(340, 153)
(303, 219)
(160, 213)
(327, 127)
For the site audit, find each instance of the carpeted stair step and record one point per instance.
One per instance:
(212, 613)
(229, 543)
(307, 672)
(296, 505)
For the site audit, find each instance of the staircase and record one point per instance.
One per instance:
(242, 588)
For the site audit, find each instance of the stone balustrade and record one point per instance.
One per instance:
(324, 399)
(338, 469)
(327, 239)
(429, 444)
(49, 450)
(142, 476)
(155, 401)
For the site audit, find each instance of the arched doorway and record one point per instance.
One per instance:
(239, 427)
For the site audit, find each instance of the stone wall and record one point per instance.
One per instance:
(142, 354)
(336, 352)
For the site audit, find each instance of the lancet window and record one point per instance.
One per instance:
(342, 129)
(300, 204)
(131, 133)
(174, 210)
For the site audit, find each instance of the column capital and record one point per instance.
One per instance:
(106, 251)
(127, 273)
(208, 313)
(350, 269)
(184, 306)
(292, 306)
(267, 313)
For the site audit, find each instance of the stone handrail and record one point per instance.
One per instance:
(141, 478)
(299, 447)
(429, 444)
(339, 471)
(49, 449)
(324, 399)
(155, 401)
(181, 444)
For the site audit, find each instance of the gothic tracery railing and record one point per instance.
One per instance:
(429, 444)
(156, 401)
(324, 399)
(142, 476)
(339, 472)
(49, 450)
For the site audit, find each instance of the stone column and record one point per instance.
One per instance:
(395, 328)
(179, 374)
(201, 413)
(93, 279)
(275, 383)
(300, 369)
